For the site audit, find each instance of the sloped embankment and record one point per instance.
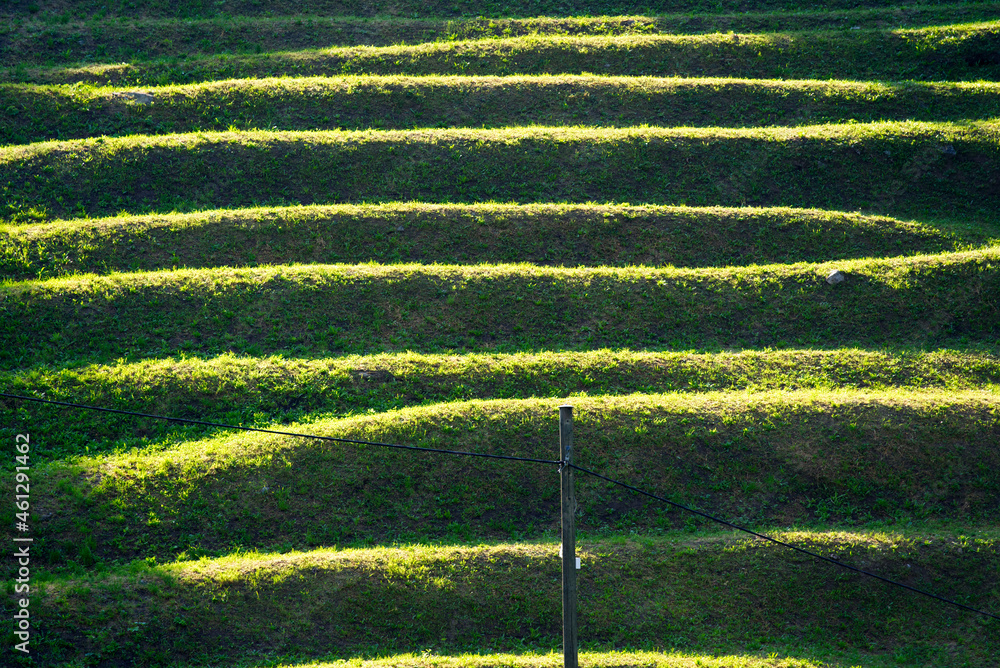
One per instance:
(451, 226)
(771, 458)
(542, 234)
(918, 300)
(940, 170)
(342, 601)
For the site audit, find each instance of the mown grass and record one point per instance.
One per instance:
(49, 40)
(812, 458)
(506, 597)
(953, 53)
(553, 235)
(56, 11)
(898, 436)
(933, 171)
(263, 391)
(599, 657)
(540, 658)
(309, 311)
(37, 113)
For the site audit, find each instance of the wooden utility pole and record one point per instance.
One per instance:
(568, 537)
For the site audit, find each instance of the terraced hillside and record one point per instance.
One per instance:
(430, 224)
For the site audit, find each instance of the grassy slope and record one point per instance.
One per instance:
(959, 53)
(66, 9)
(933, 170)
(601, 656)
(452, 234)
(928, 300)
(338, 601)
(263, 391)
(48, 40)
(37, 113)
(773, 458)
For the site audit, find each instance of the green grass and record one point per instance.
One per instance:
(567, 235)
(310, 310)
(809, 457)
(955, 53)
(339, 603)
(554, 222)
(793, 657)
(262, 391)
(56, 11)
(37, 113)
(529, 658)
(930, 171)
(49, 40)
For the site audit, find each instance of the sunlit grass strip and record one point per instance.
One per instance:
(342, 603)
(353, 102)
(309, 310)
(543, 234)
(554, 659)
(789, 657)
(764, 457)
(953, 54)
(262, 391)
(64, 10)
(929, 170)
(89, 40)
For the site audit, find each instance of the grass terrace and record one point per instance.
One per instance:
(374, 308)
(543, 234)
(309, 602)
(957, 53)
(943, 171)
(38, 113)
(430, 224)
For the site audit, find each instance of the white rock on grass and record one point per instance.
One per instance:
(136, 96)
(835, 276)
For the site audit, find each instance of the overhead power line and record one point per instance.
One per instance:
(334, 439)
(533, 460)
(781, 542)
